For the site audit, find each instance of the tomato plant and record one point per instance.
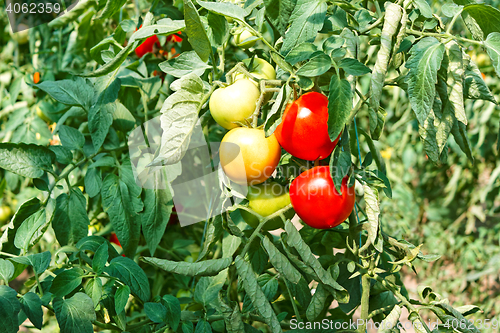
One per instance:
(125, 172)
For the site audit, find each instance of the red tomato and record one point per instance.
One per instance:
(304, 129)
(147, 46)
(175, 38)
(317, 202)
(113, 239)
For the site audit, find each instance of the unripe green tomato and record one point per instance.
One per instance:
(266, 199)
(261, 69)
(241, 39)
(5, 213)
(235, 103)
(22, 36)
(42, 115)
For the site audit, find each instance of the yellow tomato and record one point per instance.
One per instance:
(247, 156)
(245, 39)
(261, 69)
(235, 103)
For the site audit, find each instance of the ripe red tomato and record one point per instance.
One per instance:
(304, 129)
(317, 202)
(147, 46)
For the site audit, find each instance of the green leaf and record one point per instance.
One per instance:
(256, 295)
(318, 65)
(225, 8)
(39, 261)
(131, 274)
(111, 7)
(164, 26)
(70, 220)
(202, 268)
(100, 120)
(126, 222)
(100, 258)
(269, 285)
(340, 162)
(26, 160)
(173, 307)
(93, 288)
(179, 117)
(76, 314)
(274, 115)
(372, 213)
(391, 320)
(123, 120)
(339, 105)
(492, 44)
(32, 307)
(9, 310)
(156, 312)
(218, 29)
(115, 63)
(31, 230)
(184, 64)
(455, 81)
(474, 85)
(157, 209)
(74, 93)
(93, 182)
(63, 154)
(424, 62)
(307, 19)
(208, 287)
(196, 32)
(203, 326)
(295, 241)
(6, 270)
(71, 137)
(278, 12)
(459, 132)
(230, 245)
(280, 262)
(25, 210)
(300, 53)
(424, 8)
(353, 67)
(121, 298)
(67, 281)
(317, 303)
(481, 19)
(213, 231)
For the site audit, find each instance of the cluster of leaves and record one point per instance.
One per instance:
(96, 93)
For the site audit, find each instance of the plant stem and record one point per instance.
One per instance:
(443, 36)
(106, 326)
(403, 299)
(365, 301)
(452, 22)
(261, 224)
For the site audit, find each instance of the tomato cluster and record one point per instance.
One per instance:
(248, 157)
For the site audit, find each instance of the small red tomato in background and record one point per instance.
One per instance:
(147, 46)
(36, 77)
(317, 202)
(304, 129)
(113, 239)
(175, 38)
